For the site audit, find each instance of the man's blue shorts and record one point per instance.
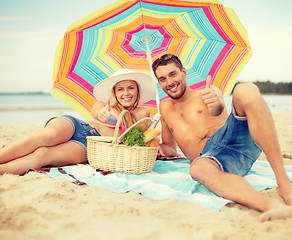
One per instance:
(232, 146)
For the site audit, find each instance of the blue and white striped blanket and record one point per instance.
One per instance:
(169, 179)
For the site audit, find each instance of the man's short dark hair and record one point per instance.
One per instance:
(166, 59)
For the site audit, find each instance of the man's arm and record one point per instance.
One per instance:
(213, 98)
(168, 146)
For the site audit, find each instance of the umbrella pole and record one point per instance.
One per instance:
(149, 58)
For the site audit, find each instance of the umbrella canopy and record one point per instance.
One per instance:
(205, 35)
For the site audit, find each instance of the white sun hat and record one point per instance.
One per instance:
(147, 87)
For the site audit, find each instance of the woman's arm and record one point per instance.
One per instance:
(140, 112)
(101, 111)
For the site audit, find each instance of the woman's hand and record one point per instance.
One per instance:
(104, 113)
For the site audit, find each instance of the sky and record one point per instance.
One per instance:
(30, 31)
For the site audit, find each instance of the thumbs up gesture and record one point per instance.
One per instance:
(208, 93)
(104, 113)
(213, 98)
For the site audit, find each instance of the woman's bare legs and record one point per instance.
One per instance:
(58, 130)
(62, 154)
(48, 146)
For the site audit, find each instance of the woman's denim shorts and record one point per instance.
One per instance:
(232, 146)
(81, 131)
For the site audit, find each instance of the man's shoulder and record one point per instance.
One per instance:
(166, 102)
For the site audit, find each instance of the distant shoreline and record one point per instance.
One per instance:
(34, 109)
(43, 93)
(266, 88)
(24, 93)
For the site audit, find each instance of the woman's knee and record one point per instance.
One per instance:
(48, 136)
(58, 130)
(41, 156)
(60, 155)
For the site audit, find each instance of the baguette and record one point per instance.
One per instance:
(153, 143)
(150, 134)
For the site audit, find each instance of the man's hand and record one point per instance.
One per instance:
(160, 151)
(104, 113)
(212, 98)
(166, 151)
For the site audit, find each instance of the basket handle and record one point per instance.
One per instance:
(117, 127)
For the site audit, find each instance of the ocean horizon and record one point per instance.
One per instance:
(38, 108)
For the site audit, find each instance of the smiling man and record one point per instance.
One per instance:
(222, 147)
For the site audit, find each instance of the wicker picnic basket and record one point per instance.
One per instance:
(105, 153)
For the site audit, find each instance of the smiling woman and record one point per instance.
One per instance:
(126, 89)
(66, 133)
(127, 93)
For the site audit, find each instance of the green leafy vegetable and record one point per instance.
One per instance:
(134, 137)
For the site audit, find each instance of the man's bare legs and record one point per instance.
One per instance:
(236, 188)
(248, 102)
(48, 146)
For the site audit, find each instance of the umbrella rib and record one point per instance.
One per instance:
(204, 36)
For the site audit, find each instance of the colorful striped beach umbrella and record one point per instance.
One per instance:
(205, 35)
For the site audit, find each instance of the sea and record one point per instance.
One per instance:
(38, 108)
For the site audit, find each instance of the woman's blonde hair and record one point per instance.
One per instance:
(127, 122)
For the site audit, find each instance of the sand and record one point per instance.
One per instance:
(36, 206)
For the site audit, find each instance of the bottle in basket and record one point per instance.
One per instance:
(151, 135)
(156, 119)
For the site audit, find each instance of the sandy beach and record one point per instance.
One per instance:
(36, 206)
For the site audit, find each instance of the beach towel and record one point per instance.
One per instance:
(168, 180)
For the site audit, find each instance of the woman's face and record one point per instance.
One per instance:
(126, 93)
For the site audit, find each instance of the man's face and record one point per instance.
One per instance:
(172, 80)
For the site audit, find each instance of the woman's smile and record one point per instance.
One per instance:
(126, 92)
